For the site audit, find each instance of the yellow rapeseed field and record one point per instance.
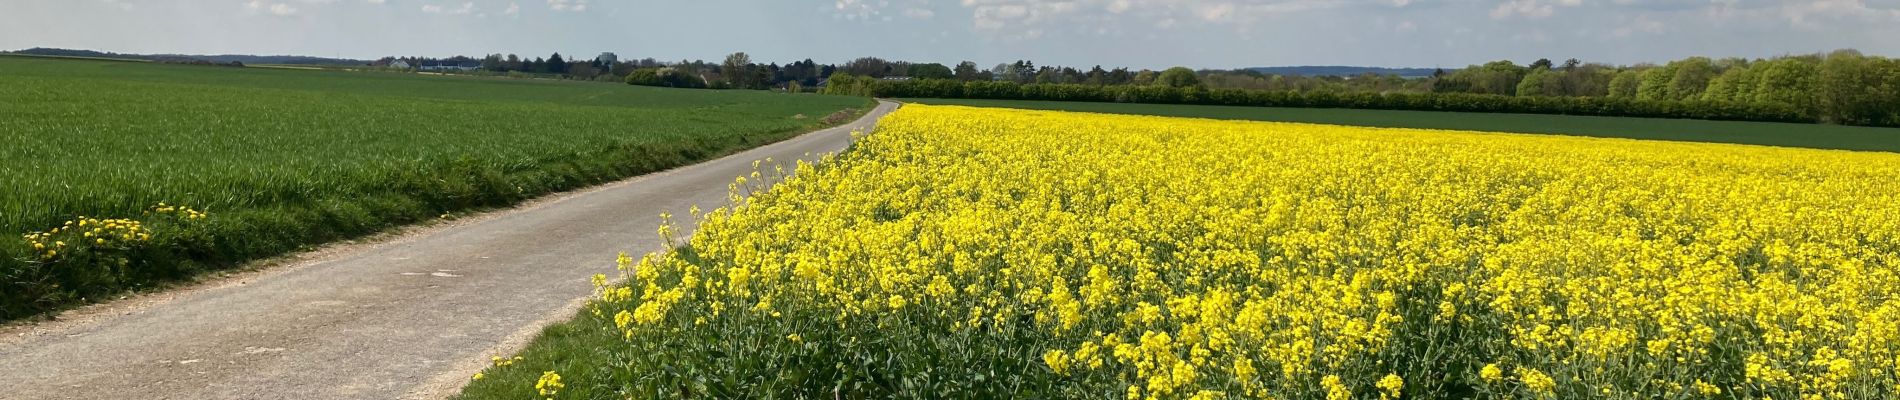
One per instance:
(988, 253)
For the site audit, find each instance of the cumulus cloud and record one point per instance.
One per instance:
(465, 8)
(567, 5)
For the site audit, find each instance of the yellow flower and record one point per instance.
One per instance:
(1491, 373)
(1536, 381)
(1390, 386)
(1335, 390)
(1707, 389)
(549, 384)
(1057, 360)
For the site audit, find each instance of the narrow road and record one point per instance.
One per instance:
(407, 318)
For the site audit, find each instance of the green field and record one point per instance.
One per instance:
(281, 159)
(1758, 133)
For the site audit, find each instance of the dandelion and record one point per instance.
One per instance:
(549, 384)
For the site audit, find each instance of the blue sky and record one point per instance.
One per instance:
(1137, 33)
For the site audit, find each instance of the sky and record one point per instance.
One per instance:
(1133, 33)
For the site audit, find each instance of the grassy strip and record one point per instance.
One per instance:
(1813, 136)
(281, 159)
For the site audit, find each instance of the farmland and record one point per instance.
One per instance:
(1686, 130)
(275, 159)
(988, 253)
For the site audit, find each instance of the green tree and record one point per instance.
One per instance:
(556, 65)
(1655, 84)
(1535, 82)
(1791, 81)
(1736, 85)
(1626, 83)
(966, 71)
(1179, 77)
(1691, 78)
(738, 72)
(931, 71)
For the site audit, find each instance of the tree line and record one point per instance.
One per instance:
(1843, 87)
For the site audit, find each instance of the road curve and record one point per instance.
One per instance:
(409, 318)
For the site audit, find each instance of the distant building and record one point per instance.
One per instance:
(895, 78)
(607, 58)
(399, 64)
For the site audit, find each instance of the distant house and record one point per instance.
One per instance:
(607, 58)
(895, 78)
(399, 64)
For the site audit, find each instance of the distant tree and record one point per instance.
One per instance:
(1541, 63)
(493, 63)
(1179, 77)
(1118, 76)
(1791, 81)
(738, 72)
(664, 77)
(1572, 64)
(556, 65)
(1145, 77)
(867, 66)
(1626, 84)
(1692, 77)
(1095, 76)
(930, 71)
(1534, 82)
(583, 70)
(966, 71)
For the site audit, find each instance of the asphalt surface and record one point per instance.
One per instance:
(410, 317)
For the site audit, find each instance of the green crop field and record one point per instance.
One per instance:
(1758, 133)
(279, 159)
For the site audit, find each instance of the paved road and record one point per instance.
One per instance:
(407, 318)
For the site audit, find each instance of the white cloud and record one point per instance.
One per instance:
(277, 9)
(465, 9)
(513, 9)
(919, 13)
(567, 5)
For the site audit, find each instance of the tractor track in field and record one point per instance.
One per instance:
(409, 315)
